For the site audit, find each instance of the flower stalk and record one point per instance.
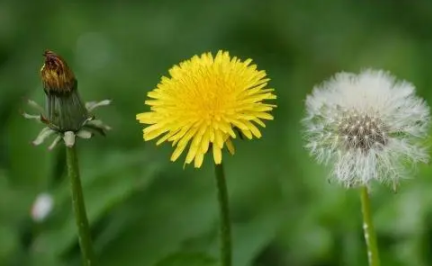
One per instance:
(88, 255)
(369, 229)
(225, 225)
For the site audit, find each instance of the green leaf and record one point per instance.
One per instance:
(29, 165)
(8, 243)
(162, 221)
(113, 179)
(188, 259)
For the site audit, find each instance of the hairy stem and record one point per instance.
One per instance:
(88, 255)
(225, 225)
(368, 228)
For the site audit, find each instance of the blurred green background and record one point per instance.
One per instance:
(147, 211)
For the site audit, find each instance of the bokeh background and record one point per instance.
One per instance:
(147, 211)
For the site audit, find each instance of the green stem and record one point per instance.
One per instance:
(369, 230)
(225, 229)
(88, 255)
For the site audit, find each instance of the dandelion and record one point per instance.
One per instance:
(66, 117)
(207, 102)
(369, 127)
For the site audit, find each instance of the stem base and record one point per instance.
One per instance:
(225, 225)
(368, 229)
(88, 255)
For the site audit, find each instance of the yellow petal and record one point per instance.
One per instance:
(230, 146)
(187, 136)
(259, 122)
(193, 149)
(247, 133)
(265, 116)
(147, 118)
(165, 137)
(153, 131)
(219, 140)
(255, 131)
(217, 155)
(205, 142)
(199, 158)
(239, 124)
(177, 152)
(180, 134)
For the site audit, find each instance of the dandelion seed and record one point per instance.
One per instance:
(205, 104)
(42, 207)
(379, 123)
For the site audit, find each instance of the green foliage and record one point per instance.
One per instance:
(145, 210)
(188, 259)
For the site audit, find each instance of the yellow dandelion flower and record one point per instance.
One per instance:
(205, 103)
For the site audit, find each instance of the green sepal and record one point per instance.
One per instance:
(66, 111)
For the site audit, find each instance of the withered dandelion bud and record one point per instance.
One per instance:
(57, 77)
(65, 114)
(65, 110)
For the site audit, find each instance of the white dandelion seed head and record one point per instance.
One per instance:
(368, 126)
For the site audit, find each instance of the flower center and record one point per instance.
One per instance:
(362, 132)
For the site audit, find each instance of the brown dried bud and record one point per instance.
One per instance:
(65, 115)
(57, 77)
(65, 110)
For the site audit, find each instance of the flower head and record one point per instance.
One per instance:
(57, 77)
(66, 115)
(65, 109)
(369, 126)
(205, 104)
